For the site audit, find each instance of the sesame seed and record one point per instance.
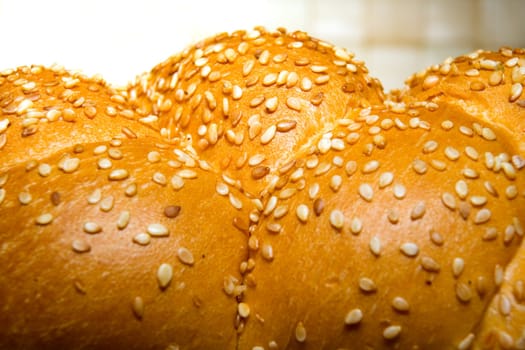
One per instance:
(399, 191)
(466, 342)
(448, 200)
(234, 201)
(367, 285)
(353, 317)
(243, 309)
(267, 252)
(300, 333)
(451, 153)
(458, 264)
(498, 275)
(92, 227)
(391, 332)
(470, 173)
(472, 153)
(400, 304)
(337, 219)
(172, 211)
(157, 230)
(463, 292)
(366, 192)
(269, 79)
(482, 216)
(44, 170)
(44, 219)
(185, 256)
(430, 81)
(430, 146)
(107, 204)
(292, 79)
(306, 84)
(118, 174)
(80, 246)
(247, 67)
(138, 307)
(302, 212)
(142, 238)
(356, 225)
(24, 198)
(104, 163)
(461, 189)
(418, 211)
(131, 190)
(69, 165)
(515, 92)
(370, 167)
(429, 264)
(177, 182)
(2, 195)
(286, 125)
(478, 201)
(410, 249)
(336, 182)
(294, 103)
(465, 130)
(436, 238)
(187, 174)
(268, 134)
(419, 166)
(95, 197)
(375, 245)
(164, 275)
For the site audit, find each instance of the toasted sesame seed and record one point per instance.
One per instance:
(463, 292)
(399, 191)
(375, 245)
(466, 342)
(482, 216)
(367, 285)
(300, 333)
(185, 256)
(164, 275)
(353, 317)
(137, 307)
(172, 211)
(410, 249)
(92, 227)
(80, 246)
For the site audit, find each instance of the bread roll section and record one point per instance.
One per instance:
(260, 190)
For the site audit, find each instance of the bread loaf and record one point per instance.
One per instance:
(260, 190)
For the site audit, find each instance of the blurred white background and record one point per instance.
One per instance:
(120, 39)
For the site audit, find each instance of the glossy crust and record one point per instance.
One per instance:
(259, 191)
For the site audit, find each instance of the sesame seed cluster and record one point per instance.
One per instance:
(259, 190)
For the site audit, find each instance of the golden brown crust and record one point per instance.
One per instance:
(336, 220)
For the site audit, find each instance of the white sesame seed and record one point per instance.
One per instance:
(69, 165)
(300, 333)
(458, 264)
(177, 182)
(142, 238)
(461, 189)
(302, 212)
(187, 174)
(498, 275)
(80, 246)
(399, 191)
(185, 256)
(410, 249)
(324, 145)
(267, 252)
(25, 198)
(400, 304)
(294, 103)
(370, 167)
(106, 204)
(337, 144)
(356, 225)
(478, 201)
(482, 216)
(2, 195)
(366, 192)
(463, 292)
(234, 201)
(470, 173)
(268, 134)
(466, 342)
(430, 146)
(118, 174)
(157, 230)
(367, 285)
(243, 309)
(123, 220)
(44, 219)
(451, 153)
(386, 179)
(353, 317)
(164, 275)
(448, 200)
(337, 219)
(418, 211)
(488, 134)
(375, 245)
(92, 227)
(391, 332)
(336, 182)
(104, 163)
